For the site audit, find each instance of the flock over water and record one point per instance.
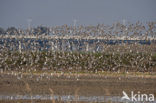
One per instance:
(87, 48)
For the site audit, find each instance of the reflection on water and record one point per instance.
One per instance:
(67, 98)
(65, 44)
(63, 98)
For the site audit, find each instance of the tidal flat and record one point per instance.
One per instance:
(72, 87)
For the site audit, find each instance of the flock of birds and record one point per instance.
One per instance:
(81, 54)
(89, 49)
(117, 29)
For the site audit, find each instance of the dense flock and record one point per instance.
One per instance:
(116, 29)
(77, 61)
(79, 55)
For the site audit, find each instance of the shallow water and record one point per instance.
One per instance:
(68, 98)
(63, 98)
(64, 44)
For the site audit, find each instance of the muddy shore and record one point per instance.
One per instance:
(76, 85)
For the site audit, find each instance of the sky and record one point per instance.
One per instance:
(86, 12)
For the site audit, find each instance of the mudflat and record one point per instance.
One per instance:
(76, 85)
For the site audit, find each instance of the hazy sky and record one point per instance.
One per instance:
(59, 12)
